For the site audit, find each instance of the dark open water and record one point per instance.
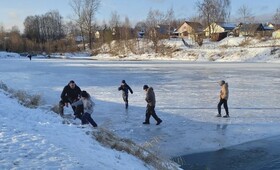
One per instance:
(256, 155)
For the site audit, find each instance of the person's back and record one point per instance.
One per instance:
(88, 106)
(224, 91)
(150, 97)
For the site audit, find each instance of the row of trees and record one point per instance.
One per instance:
(50, 33)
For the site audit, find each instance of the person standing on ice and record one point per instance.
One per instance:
(151, 104)
(70, 94)
(224, 93)
(88, 105)
(125, 88)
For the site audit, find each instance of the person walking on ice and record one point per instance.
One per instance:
(151, 103)
(224, 94)
(125, 88)
(88, 108)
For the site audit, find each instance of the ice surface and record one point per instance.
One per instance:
(187, 96)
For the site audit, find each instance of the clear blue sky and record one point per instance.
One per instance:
(13, 12)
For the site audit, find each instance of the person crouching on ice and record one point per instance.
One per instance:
(88, 108)
(224, 93)
(70, 94)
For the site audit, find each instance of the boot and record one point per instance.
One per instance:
(159, 122)
(218, 115)
(126, 105)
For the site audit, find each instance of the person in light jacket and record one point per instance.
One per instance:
(151, 104)
(88, 106)
(224, 93)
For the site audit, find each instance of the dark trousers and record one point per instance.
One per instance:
(125, 99)
(86, 117)
(78, 111)
(150, 111)
(223, 102)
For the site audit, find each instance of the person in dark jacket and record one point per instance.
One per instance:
(125, 88)
(70, 94)
(151, 104)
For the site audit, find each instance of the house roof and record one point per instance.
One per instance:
(195, 25)
(251, 27)
(227, 25)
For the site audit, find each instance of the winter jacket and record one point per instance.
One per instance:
(70, 95)
(150, 97)
(125, 89)
(87, 103)
(224, 93)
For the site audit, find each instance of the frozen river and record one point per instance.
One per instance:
(187, 96)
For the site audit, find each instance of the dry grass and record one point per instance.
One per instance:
(25, 99)
(245, 42)
(109, 139)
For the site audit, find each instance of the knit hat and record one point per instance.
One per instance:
(123, 81)
(222, 82)
(145, 87)
(71, 81)
(84, 94)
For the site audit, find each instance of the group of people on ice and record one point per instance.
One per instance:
(83, 105)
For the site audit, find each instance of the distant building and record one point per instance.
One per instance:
(190, 30)
(221, 27)
(276, 34)
(252, 30)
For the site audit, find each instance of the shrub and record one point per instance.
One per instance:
(25, 99)
(111, 140)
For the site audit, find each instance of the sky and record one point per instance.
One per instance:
(13, 12)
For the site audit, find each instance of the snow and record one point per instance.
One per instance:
(36, 138)
(186, 92)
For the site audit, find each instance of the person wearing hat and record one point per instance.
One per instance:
(88, 105)
(224, 93)
(151, 103)
(70, 94)
(125, 88)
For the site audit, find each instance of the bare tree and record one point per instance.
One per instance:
(79, 19)
(115, 24)
(169, 20)
(32, 28)
(276, 16)
(154, 19)
(2, 37)
(90, 8)
(247, 19)
(213, 11)
(245, 14)
(84, 11)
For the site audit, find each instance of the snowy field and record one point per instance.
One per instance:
(187, 95)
